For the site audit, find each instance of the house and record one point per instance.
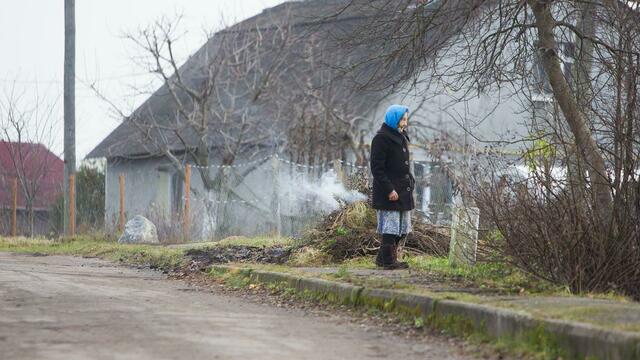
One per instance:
(40, 178)
(300, 129)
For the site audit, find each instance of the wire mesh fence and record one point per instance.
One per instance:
(280, 197)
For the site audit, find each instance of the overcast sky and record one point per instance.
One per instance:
(32, 38)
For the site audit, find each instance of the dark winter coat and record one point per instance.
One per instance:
(391, 171)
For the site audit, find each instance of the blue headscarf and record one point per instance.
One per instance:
(394, 114)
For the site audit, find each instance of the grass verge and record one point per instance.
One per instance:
(534, 344)
(156, 257)
(606, 315)
(259, 241)
(498, 276)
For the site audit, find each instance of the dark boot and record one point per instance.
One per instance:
(397, 239)
(394, 253)
(384, 258)
(396, 263)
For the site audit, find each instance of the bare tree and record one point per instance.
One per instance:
(327, 111)
(29, 132)
(208, 115)
(571, 64)
(482, 46)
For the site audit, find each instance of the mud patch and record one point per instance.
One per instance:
(204, 257)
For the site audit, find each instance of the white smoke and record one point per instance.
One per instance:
(325, 194)
(296, 195)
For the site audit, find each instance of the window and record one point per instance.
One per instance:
(541, 82)
(567, 56)
(566, 53)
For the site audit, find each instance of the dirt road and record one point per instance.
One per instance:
(72, 308)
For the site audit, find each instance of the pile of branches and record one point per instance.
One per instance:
(350, 232)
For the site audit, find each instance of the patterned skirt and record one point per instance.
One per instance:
(394, 222)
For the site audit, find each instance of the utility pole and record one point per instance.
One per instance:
(69, 107)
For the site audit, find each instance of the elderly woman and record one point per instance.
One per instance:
(393, 185)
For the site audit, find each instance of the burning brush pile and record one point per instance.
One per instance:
(351, 232)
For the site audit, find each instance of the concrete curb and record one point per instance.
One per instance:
(579, 340)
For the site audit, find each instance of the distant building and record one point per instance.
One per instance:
(41, 172)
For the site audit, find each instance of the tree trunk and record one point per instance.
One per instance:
(31, 219)
(221, 190)
(582, 90)
(588, 150)
(69, 104)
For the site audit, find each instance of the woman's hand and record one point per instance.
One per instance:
(393, 196)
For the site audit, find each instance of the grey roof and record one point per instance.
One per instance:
(325, 20)
(131, 137)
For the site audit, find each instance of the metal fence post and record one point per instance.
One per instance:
(187, 202)
(121, 218)
(14, 209)
(275, 166)
(72, 208)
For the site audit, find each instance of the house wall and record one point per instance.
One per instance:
(146, 188)
(248, 210)
(153, 189)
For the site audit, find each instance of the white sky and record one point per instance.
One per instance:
(32, 38)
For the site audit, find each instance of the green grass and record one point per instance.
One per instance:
(498, 276)
(364, 262)
(608, 315)
(341, 231)
(536, 344)
(237, 279)
(492, 275)
(153, 256)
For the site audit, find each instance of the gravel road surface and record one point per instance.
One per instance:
(57, 307)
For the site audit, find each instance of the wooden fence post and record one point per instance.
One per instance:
(187, 202)
(14, 209)
(340, 172)
(72, 208)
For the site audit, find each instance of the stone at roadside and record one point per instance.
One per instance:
(139, 230)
